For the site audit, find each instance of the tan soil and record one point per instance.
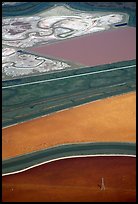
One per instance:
(77, 179)
(112, 119)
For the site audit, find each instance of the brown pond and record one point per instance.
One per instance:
(76, 179)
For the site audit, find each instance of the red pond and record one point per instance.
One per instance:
(94, 49)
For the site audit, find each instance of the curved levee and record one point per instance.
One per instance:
(24, 162)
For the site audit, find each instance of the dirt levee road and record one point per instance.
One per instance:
(77, 179)
(108, 120)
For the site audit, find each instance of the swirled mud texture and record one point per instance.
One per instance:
(75, 179)
(108, 120)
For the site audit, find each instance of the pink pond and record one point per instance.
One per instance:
(94, 49)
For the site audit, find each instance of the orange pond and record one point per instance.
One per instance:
(111, 119)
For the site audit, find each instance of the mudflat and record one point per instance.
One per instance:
(107, 120)
(74, 179)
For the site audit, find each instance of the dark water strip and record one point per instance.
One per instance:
(31, 8)
(27, 102)
(35, 158)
